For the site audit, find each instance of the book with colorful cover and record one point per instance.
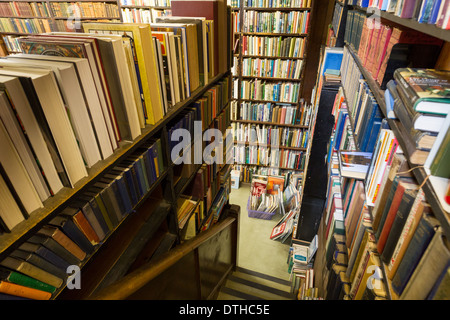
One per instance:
(427, 89)
(354, 164)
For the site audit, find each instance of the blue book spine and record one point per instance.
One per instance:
(52, 257)
(120, 182)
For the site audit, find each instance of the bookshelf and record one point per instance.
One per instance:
(155, 185)
(375, 86)
(144, 11)
(262, 52)
(37, 16)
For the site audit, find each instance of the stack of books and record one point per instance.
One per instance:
(419, 101)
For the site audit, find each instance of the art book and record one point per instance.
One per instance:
(427, 89)
(354, 164)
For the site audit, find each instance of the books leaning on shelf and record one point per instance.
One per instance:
(84, 223)
(430, 12)
(384, 48)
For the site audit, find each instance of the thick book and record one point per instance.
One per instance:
(31, 271)
(39, 262)
(398, 222)
(89, 50)
(146, 62)
(17, 174)
(21, 279)
(45, 87)
(68, 83)
(427, 90)
(19, 140)
(425, 231)
(63, 240)
(423, 138)
(433, 262)
(12, 211)
(390, 211)
(100, 121)
(54, 246)
(354, 164)
(419, 208)
(22, 103)
(22, 291)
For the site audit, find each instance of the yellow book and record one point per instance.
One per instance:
(371, 277)
(142, 36)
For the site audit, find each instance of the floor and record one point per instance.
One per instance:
(256, 251)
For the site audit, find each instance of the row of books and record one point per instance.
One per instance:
(211, 188)
(293, 47)
(139, 15)
(106, 118)
(275, 158)
(150, 3)
(11, 43)
(269, 135)
(37, 268)
(424, 11)
(276, 22)
(277, 3)
(361, 104)
(32, 25)
(301, 259)
(399, 208)
(273, 113)
(270, 91)
(85, 9)
(28, 9)
(273, 68)
(382, 48)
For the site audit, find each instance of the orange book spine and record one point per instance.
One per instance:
(25, 292)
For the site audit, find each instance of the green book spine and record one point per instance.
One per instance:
(29, 282)
(440, 165)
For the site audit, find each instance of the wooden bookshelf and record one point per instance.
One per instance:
(55, 204)
(396, 126)
(418, 172)
(53, 17)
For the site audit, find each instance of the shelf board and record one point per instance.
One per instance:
(272, 57)
(272, 124)
(87, 18)
(267, 101)
(273, 34)
(272, 79)
(426, 28)
(277, 9)
(53, 205)
(268, 145)
(267, 166)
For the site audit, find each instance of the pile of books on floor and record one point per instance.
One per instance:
(289, 208)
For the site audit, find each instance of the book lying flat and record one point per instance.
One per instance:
(354, 164)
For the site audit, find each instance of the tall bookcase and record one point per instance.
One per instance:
(332, 281)
(153, 225)
(271, 41)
